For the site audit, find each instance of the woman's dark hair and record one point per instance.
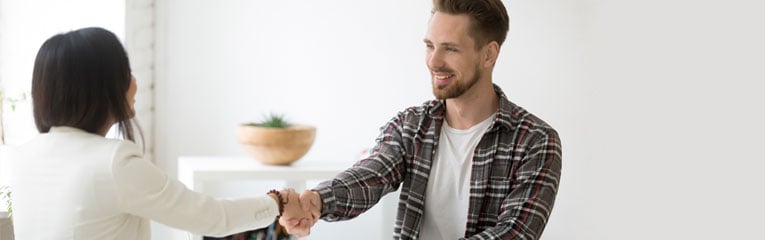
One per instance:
(80, 80)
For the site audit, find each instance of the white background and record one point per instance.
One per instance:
(658, 103)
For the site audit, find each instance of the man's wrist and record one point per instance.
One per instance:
(319, 202)
(323, 193)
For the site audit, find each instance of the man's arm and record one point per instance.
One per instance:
(527, 207)
(360, 187)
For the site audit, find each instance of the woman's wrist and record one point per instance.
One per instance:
(280, 200)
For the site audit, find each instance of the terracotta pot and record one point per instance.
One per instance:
(276, 146)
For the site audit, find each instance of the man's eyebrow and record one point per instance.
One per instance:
(447, 44)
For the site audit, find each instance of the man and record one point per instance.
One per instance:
(470, 164)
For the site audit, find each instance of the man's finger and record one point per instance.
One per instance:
(315, 201)
(293, 222)
(306, 200)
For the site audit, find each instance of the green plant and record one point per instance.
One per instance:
(5, 195)
(13, 100)
(272, 121)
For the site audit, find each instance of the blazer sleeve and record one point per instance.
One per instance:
(146, 191)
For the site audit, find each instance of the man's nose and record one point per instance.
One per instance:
(435, 60)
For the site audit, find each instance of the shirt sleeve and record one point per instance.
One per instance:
(527, 207)
(359, 188)
(146, 191)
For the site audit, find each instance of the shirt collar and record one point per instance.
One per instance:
(437, 109)
(64, 129)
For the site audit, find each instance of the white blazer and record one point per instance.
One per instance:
(70, 184)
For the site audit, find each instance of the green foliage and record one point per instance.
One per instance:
(5, 195)
(13, 100)
(273, 121)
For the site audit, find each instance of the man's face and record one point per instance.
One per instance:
(451, 57)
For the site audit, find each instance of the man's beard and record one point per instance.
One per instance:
(455, 88)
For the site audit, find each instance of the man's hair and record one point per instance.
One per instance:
(488, 18)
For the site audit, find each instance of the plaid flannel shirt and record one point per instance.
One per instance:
(514, 178)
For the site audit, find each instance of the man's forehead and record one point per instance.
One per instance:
(455, 25)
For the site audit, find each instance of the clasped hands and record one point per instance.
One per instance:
(300, 212)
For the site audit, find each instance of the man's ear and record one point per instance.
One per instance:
(490, 53)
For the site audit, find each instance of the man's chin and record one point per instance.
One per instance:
(440, 94)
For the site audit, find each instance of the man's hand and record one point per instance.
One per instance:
(310, 202)
(292, 207)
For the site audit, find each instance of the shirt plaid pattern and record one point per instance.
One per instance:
(514, 178)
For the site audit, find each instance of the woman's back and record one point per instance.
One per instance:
(64, 189)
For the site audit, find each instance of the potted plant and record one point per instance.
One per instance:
(5, 196)
(6, 222)
(275, 141)
(12, 102)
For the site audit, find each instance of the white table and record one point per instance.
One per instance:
(197, 171)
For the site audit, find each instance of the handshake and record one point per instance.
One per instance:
(300, 212)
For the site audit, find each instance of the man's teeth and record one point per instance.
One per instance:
(441, 77)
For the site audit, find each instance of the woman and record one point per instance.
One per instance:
(71, 182)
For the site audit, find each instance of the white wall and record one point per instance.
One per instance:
(234, 61)
(657, 102)
(332, 64)
(673, 109)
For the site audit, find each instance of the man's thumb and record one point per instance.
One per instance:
(306, 200)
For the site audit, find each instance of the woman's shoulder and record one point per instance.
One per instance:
(124, 149)
(80, 145)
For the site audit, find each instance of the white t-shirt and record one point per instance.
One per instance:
(448, 193)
